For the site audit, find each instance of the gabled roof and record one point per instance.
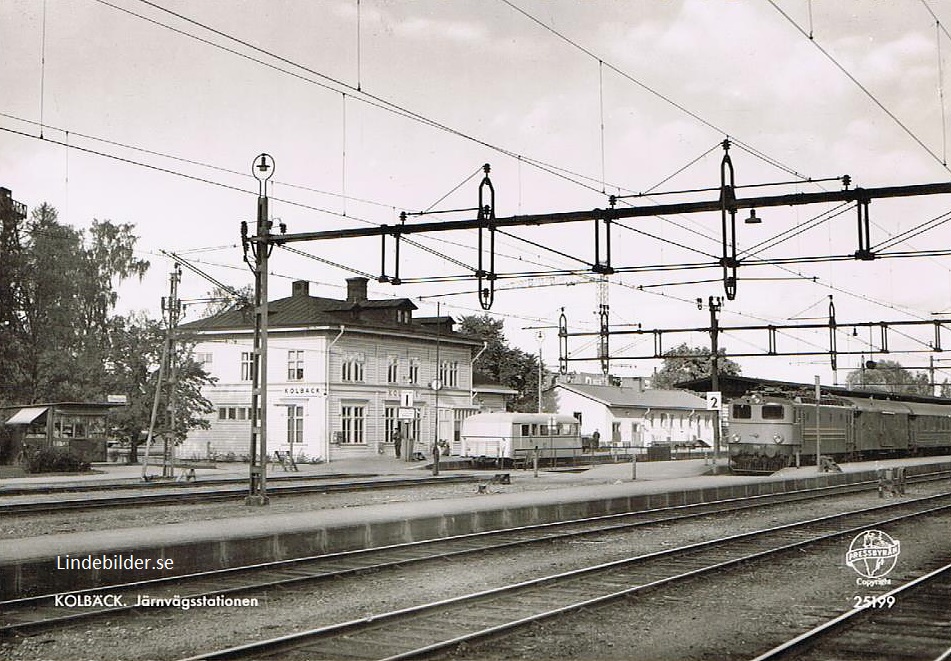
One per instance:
(633, 397)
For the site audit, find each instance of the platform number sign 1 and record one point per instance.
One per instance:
(714, 400)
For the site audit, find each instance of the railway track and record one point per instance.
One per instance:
(210, 492)
(913, 621)
(40, 613)
(202, 493)
(141, 485)
(436, 627)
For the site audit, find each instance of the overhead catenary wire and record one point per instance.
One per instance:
(862, 87)
(650, 90)
(338, 86)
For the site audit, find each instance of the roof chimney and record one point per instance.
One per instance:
(356, 290)
(300, 288)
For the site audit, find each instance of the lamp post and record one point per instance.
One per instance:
(260, 248)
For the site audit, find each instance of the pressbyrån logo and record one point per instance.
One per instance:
(873, 554)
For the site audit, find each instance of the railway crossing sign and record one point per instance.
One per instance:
(714, 399)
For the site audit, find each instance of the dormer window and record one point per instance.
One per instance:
(402, 316)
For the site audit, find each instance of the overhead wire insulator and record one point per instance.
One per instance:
(833, 349)
(383, 276)
(865, 240)
(486, 277)
(397, 234)
(603, 266)
(562, 343)
(728, 222)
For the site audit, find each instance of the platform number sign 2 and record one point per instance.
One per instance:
(714, 400)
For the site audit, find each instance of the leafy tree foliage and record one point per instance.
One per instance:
(890, 376)
(221, 299)
(64, 287)
(59, 337)
(684, 363)
(135, 354)
(511, 367)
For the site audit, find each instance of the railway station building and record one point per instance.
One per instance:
(343, 377)
(625, 413)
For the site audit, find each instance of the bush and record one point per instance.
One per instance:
(47, 460)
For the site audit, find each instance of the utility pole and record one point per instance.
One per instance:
(714, 303)
(260, 248)
(437, 385)
(541, 336)
(819, 467)
(173, 307)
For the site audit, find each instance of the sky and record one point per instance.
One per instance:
(152, 113)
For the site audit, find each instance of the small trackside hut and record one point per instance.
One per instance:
(511, 438)
(77, 428)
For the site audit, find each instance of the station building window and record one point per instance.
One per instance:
(352, 423)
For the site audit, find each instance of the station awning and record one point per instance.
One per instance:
(27, 416)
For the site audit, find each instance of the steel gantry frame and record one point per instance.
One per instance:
(727, 204)
(772, 332)
(485, 274)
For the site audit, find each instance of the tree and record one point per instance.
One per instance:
(510, 367)
(683, 363)
(889, 376)
(65, 292)
(220, 299)
(135, 353)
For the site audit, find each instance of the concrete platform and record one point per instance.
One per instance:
(604, 489)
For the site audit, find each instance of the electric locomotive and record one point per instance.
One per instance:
(770, 431)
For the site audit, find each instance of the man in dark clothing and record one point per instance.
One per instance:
(397, 442)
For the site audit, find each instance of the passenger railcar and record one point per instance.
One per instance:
(511, 437)
(768, 432)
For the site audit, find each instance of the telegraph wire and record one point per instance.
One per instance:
(914, 231)
(864, 89)
(359, 94)
(663, 181)
(648, 88)
(188, 161)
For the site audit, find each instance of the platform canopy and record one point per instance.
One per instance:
(27, 415)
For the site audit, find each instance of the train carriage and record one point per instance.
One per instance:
(930, 426)
(880, 425)
(768, 432)
(511, 437)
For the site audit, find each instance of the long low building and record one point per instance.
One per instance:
(632, 415)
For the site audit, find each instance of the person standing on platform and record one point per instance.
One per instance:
(397, 442)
